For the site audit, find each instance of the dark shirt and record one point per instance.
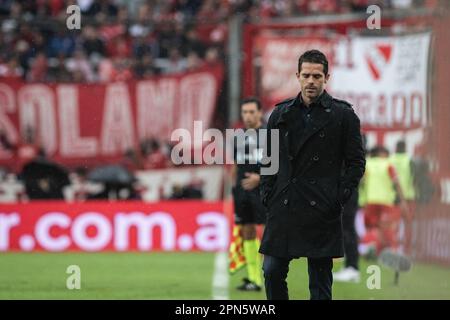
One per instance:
(302, 112)
(248, 156)
(305, 111)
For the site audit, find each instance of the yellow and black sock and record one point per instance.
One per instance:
(253, 259)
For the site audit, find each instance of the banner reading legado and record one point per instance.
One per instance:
(385, 78)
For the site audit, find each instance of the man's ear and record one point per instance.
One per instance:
(327, 77)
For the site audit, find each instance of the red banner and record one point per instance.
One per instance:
(114, 226)
(97, 122)
(279, 62)
(372, 73)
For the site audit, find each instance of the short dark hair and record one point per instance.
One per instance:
(252, 100)
(401, 147)
(313, 56)
(378, 150)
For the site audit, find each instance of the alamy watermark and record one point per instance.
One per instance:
(222, 149)
(374, 279)
(74, 280)
(73, 21)
(373, 22)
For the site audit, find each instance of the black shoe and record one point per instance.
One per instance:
(248, 286)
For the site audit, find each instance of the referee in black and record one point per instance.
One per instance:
(249, 211)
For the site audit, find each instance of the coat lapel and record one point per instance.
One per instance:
(320, 118)
(321, 115)
(285, 119)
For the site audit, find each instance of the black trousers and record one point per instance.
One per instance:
(350, 234)
(320, 277)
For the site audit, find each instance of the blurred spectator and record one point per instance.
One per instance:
(11, 68)
(132, 160)
(194, 190)
(119, 47)
(81, 188)
(55, 7)
(141, 28)
(26, 54)
(39, 44)
(80, 66)
(190, 191)
(174, 64)
(61, 43)
(105, 70)
(28, 148)
(212, 55)
(401, 4)
(177, 192)
(121, 70)
(145, 45)
(91, 42)
(153, 154)
(193, 43)
(79, 180)
(44, 179)
(24, 36)
(4, 142)
(323, 6)
(58, 72)
(13, 17)
(11, 189)
(168, 37)
(38, 69)
(95, 7)
(193, 61)
(5, 6)
(358, 5)
(214, 10)
(145, 67)
(119, 183)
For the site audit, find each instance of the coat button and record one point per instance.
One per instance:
(286, 201)
(294, 180)
(312, 203)
(291, 158)
(322, 134)
(312, 181)
(316, 158)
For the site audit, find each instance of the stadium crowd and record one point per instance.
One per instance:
(122, 40)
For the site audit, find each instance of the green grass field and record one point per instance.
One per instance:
(183, 276)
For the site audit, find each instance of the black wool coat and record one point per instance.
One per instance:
(320, 165)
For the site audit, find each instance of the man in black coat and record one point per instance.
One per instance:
(318, 137)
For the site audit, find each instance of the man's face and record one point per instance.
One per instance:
(250, 115)
(312, 79)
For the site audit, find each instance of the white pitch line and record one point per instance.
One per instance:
(220, 279)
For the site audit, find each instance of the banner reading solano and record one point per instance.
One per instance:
(99, 122)
(386, 80)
